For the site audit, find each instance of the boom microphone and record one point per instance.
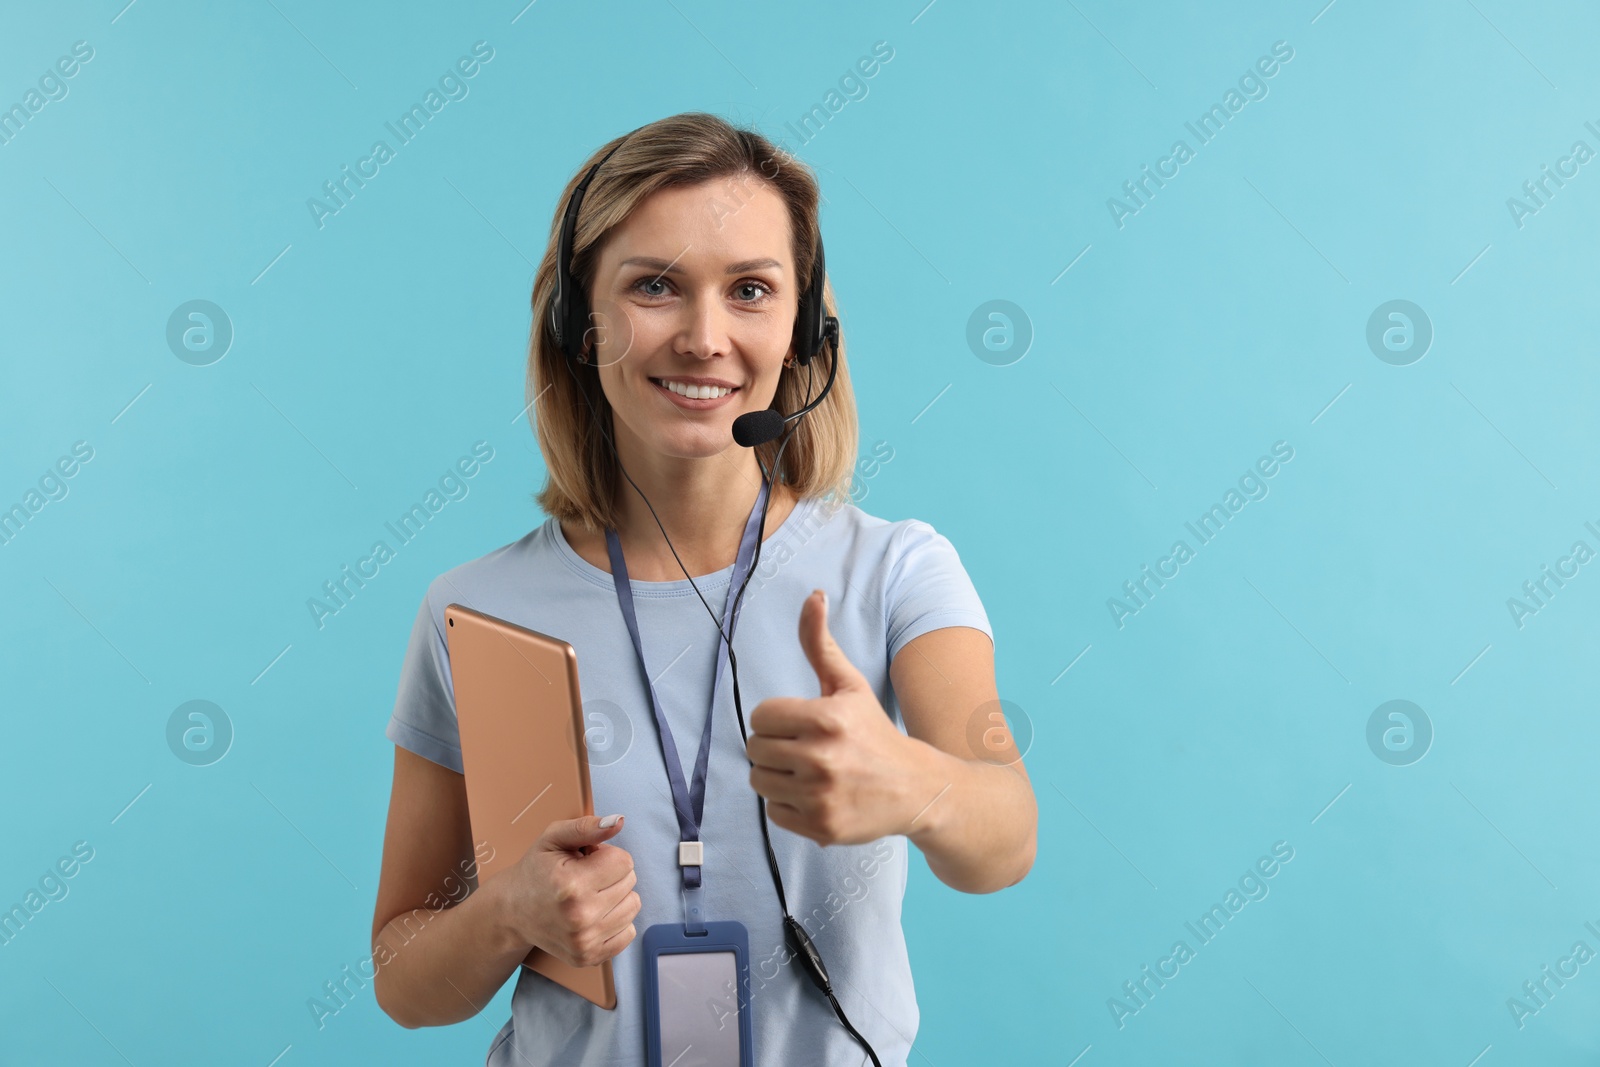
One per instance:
(758, 427)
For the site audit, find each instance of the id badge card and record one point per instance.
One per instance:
(697, 1005)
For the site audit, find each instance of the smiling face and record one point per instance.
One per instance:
(694, 298)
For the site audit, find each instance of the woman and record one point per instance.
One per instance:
(693, 244)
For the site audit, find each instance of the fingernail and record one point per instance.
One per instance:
(609, 821)
(824, 593)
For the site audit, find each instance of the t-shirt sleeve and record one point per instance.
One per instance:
(424, 719)
(927, 588)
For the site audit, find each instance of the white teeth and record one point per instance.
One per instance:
(697, 392)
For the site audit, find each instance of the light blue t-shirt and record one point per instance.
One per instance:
(887, 582)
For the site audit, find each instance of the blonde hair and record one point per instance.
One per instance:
(683, 149)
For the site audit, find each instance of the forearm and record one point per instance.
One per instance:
(976, 822)
(440, 967)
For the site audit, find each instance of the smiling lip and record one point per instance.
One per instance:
(718, 382)
(697, 405)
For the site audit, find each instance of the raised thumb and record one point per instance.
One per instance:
(834, 670)
(570, 835)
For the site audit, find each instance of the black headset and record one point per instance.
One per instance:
(569, 319)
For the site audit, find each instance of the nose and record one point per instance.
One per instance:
(705, 331)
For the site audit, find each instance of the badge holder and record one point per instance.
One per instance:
(697, 987)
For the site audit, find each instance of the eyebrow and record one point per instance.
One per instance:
(666, 267)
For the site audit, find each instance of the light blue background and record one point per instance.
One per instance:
(1230, 313)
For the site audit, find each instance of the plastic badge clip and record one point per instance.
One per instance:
(694, 920)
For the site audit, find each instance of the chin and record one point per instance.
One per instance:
(695, 442)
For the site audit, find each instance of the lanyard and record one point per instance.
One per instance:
(688, 802)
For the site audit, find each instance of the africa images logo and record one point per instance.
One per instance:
(1205, 129)
(1253, 885)
(453, 87)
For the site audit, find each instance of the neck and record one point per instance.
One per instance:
(703, 502)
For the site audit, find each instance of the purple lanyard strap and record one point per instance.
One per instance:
(688, 802)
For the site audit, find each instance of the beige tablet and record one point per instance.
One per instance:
(522, 750)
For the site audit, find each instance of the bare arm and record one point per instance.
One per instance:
(442, 945)
(441, 953)
(979, 828)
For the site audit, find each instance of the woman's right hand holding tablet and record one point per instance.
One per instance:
(572, 893)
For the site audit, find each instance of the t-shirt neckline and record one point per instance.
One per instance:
(679, 586)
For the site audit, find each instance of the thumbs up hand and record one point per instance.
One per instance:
(833, 768)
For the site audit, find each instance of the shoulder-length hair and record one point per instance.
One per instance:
(683, 149)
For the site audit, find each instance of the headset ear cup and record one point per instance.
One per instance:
(556, 317)
(577, 324)
(809, 319)
(802, 330)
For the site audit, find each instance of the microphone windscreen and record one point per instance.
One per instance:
(757, 427)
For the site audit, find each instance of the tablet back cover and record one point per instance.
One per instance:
(520, 716)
